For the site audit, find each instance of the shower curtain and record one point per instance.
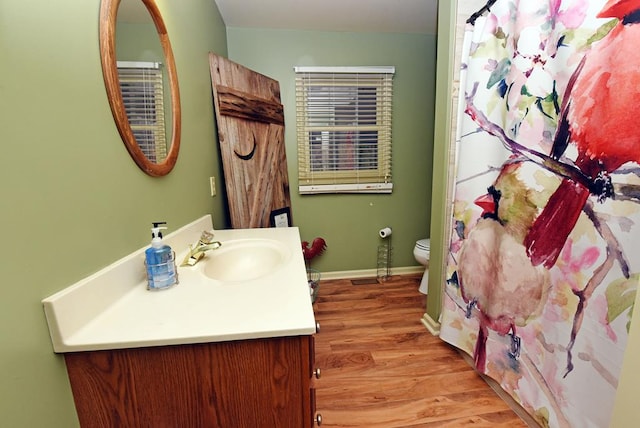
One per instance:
(543, 258)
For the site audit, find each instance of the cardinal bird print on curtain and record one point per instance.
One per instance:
(600, 118)
(543, 258)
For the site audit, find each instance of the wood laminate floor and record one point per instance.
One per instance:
(381, 368)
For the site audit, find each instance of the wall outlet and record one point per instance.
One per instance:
(212, 185)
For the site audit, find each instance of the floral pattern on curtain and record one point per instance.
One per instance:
(543, 259)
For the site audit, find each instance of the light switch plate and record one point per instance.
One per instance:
(212, 185)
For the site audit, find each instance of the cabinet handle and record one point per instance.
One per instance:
(316, 373)
(317, 327)
(318, 419)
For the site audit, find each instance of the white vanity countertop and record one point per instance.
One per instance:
(113, 309)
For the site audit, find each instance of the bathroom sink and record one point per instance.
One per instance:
(245, 259)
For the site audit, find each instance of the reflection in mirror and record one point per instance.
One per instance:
(141, 73)
(141, 82)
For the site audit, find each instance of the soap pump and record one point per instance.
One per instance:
(160, 261)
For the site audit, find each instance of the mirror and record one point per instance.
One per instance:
(109, 10)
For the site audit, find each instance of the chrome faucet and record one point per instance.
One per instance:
(206, 243)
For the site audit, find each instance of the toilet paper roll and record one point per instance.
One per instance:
(385, 232)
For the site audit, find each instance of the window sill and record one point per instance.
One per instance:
(346, 188)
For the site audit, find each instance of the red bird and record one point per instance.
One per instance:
(599, 116)
(494, 271)
(317, 247)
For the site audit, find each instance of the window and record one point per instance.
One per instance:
(141, 84)
(343, 123)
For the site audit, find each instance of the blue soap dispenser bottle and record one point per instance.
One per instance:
(160, 261)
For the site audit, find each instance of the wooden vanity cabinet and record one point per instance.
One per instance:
(249, 383)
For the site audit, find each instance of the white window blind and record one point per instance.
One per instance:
(343, 124)
(141, 85)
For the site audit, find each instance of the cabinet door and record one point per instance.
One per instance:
(266, 383)
(252, 384)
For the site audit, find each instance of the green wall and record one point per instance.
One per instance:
(442, 137)
(349, 223)
(73, 199)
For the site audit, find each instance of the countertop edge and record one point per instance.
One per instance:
(64, 348)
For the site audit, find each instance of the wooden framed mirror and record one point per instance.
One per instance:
(162, 165)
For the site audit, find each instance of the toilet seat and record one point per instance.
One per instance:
(424, 244)
(422, 252)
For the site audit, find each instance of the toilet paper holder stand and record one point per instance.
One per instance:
(384, 254)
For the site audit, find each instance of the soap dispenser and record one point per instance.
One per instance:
(160, 261)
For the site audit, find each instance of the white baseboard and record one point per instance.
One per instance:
(431, 325)
(369, 273)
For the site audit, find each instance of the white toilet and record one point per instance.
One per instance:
(421, 253)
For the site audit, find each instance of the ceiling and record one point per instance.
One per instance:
(387, 16)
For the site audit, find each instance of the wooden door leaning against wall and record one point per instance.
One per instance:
(250, 123)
